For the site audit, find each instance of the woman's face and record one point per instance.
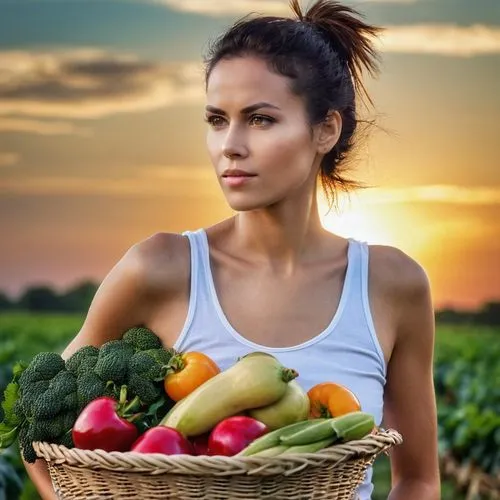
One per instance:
(259, 139)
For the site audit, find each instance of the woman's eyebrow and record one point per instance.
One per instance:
(244, 111)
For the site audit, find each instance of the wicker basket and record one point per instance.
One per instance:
(333, 473)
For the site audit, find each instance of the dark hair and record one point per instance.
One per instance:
(324, 53)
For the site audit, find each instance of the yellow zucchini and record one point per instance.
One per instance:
(292, 407)
(251, 382)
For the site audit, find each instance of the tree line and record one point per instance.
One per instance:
(78, 298)
(46, 299)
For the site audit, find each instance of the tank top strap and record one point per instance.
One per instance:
(359, 301)
(197, 285)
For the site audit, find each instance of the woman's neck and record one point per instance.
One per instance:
(282, 236)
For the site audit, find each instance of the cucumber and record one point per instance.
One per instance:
(310, 434)
(271, 452)
(310, 447)
(251, 382)
(351, 426)
(292, 407)
(272, 439)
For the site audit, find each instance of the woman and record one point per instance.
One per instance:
(281, 109)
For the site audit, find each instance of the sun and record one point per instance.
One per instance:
(355, 220)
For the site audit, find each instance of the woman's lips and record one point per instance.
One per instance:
(237, 180)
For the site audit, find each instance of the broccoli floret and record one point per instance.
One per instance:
(143, 364)
(162, 356)
(63, 383)
(70, 402)
(48, 429)
(36, 397)
(43, 366)
(89, 387)
(66, 440)
(18, 409)
(147, 370)
(151, 364)
(114, 346)
(26, 444)
(31, 394)
(49, 403)
(141, 338)
(54, 428)
(112, 362)
(143, 388)
(73, 362)
(87, 365)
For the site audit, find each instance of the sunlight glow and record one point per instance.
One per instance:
(355, 220)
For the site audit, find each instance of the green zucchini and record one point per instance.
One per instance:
(271, 452)
(310, 447)
(272, 439)
(355, 425)
(310, 434)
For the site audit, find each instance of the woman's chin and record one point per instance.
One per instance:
(245, 204)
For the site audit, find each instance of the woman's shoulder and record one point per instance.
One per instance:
(396, 273)
(402, 289)
(160, 260)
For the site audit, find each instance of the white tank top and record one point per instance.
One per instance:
(347, 351)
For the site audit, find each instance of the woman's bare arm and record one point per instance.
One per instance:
(410, 405)
(121, 302)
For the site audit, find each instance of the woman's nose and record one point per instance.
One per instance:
(234, 146)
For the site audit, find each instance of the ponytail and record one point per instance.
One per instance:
(348, 35)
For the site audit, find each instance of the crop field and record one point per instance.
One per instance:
(466, 378)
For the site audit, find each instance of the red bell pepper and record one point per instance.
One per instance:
(233, 434)
(105, 424)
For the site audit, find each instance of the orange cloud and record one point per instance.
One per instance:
(88, 83)
(225, 7)
(150, 181)
(42, 127)
(442, 39)
(463, 195)
(9, 159)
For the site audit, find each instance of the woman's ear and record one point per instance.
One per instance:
(329, 132)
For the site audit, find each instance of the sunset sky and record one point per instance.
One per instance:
(102, 138)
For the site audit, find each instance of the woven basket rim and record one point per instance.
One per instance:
(155, 463)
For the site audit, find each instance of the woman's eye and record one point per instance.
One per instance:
(258, 120)
(261, 120)
(214, 121)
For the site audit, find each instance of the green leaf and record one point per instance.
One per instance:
(18, 369)
(10, 396)
(8, 434)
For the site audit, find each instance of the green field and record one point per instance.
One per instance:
(466, 368)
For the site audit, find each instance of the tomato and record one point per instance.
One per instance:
(331, 400)
(189, 371)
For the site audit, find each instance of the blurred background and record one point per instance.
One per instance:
(102, 143)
